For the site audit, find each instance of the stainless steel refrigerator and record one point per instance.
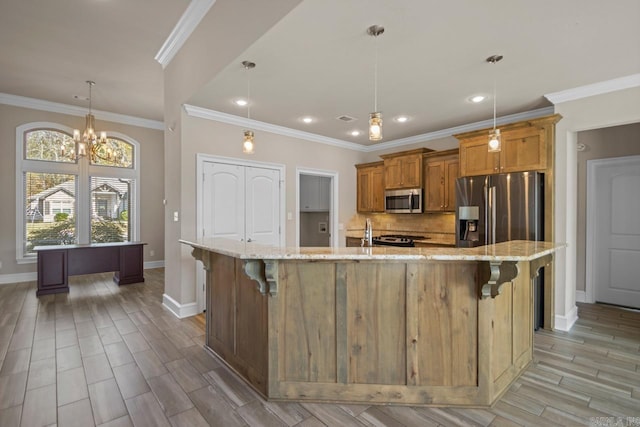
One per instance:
(498, 208)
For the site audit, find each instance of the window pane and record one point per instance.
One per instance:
(49, 210)
(49, 145)
(111, 209)
(115, 153)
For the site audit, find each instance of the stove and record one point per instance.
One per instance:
(397, 240)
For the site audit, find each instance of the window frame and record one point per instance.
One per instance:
(83, 171)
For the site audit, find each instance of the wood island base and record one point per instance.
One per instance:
(423, 332)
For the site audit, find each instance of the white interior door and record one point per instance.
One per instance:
(615, 190)
(262, 203)
(223, 201)
(240, 202)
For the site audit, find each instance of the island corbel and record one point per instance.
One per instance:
(500, 272)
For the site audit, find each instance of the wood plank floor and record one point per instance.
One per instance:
(103, 355)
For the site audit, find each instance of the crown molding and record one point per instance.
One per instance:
(599, 88)
(205, 113)
(445, 133)
(188, 22)
(73, 110)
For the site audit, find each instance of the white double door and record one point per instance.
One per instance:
(238, 202)
(614, 252)
(241, 203)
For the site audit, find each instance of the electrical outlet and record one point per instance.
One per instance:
(152, 252)
(175, 216)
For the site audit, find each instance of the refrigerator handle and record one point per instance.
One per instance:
(487, 207)
(492, 209)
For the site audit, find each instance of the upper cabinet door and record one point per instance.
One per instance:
(440, 174)
(370, 190)
(393, 173)
(523, 150)
(451, 174)
(475, 158)
(434, 188)
(403, 170)
(412, 171)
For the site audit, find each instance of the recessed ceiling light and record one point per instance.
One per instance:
(401, 119)
(477, 98)
(240, 102)
(355, 133)
(307, 119)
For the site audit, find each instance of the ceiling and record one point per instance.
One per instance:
(50, 48)
(318, 60)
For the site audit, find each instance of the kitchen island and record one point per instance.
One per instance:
(432, 326)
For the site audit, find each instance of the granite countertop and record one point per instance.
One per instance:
(517, 250)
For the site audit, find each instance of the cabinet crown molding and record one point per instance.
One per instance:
(540, 122)
(406, 153)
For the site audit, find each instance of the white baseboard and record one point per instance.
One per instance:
(179, 310)
(565, 323)
(154, 264)
(581, 296)
(18, 277)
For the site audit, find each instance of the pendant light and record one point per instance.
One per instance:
(495, 140)
(248, 144)
(375, 118)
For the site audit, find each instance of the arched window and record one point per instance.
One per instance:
(64, 198)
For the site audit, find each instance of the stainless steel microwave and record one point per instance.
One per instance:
(403, 201)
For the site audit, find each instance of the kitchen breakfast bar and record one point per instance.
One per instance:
(429, 326)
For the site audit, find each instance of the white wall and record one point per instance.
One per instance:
(611, 109)
(221, 139)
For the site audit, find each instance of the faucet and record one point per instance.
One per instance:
(368, 234)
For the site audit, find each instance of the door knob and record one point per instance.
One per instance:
(249, 239)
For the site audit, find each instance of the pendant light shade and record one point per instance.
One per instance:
(248, 144)
(375, 127)
(375, 118)
(495, 140)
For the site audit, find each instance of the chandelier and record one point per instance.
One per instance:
(89, 143)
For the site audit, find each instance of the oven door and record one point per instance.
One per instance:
(403, 201)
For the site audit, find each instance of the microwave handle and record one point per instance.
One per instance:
(410, 201)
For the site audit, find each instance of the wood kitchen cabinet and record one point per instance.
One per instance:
(370, 190)
(525, 147)
(441, 172)
(404, 169)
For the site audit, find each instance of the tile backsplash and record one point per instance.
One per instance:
(438, 226)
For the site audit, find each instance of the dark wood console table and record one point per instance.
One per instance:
(57, 263)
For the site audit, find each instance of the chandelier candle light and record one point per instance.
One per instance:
(375, 118)
(495, 140)
(248, 145)
(89, 137)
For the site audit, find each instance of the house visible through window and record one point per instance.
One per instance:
(64, 199)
